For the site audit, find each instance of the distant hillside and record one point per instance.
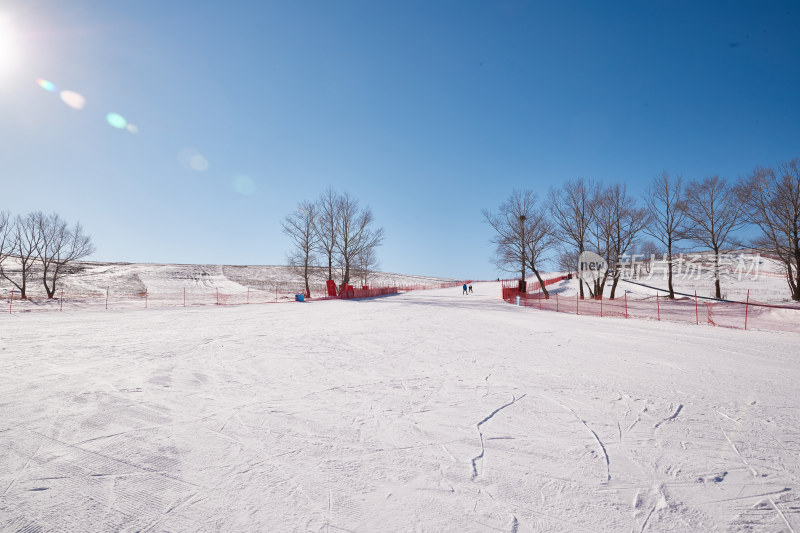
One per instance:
(92, 277)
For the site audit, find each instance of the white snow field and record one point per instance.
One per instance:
(425, 411)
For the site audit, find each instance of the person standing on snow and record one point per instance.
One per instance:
(465, 288)
(470, 288)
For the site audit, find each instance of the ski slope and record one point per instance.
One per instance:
(425, 411)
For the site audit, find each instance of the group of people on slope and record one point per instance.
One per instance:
(465, 288)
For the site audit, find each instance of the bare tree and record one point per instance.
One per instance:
(715, 211)
(600, 235)
(24, 244)
(523, 234)
(509, 225)
(773, 205)
(666, 207)
(647, 250)
(355, 232)
(541, 240)
(6, 226)
(628, 221)
(366, 263)
(327, 208)
(572, 212)
(300, 227)
(57, 247)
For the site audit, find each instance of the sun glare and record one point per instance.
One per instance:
(9, 44)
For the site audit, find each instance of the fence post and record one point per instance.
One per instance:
(626, 304)
(276, 293)
(217, 296)
(658, 306)
(248, 295)
(11, 301)
(106, 297)
(696, 312)
(746, 305)
(145, 297)
(61, 301)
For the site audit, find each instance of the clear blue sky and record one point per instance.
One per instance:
(428, 111)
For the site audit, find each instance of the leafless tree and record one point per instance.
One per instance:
(6, 226)
(572, 212)
(628, 221)
(666, 207)
(648, 251)
(300, 227)
(509, 226)
(773, 205)
(58, 245)
(715, 211)
(523, 234)
(600, 235)
(355, 232)
(327, 208)
(24, 244)
(366, 263)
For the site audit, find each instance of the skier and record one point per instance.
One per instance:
(470, 288)
(465, 288)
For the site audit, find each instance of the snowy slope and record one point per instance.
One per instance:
(426, 411)
(128, 280)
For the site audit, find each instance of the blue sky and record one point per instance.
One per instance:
(427, 111)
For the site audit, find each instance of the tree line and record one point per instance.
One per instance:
(44, 246)
(584, 215)
(333, 232)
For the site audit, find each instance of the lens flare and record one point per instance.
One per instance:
(73, 99)
(131, 128)
(46, 85)
(198, 163)
(117, 121)
(244, 185)
(191, 159)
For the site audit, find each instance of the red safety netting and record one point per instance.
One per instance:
(700, 311)
(191, 297)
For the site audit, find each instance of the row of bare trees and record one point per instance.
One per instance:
(39, 245)
(336, 233)
(587, 216)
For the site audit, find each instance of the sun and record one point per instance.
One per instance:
(9, 44)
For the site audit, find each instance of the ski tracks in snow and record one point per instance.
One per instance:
(593, 432)
(478, 457)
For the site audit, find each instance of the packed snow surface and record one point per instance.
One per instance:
(425, 411)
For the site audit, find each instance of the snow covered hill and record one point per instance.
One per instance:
(167, 282)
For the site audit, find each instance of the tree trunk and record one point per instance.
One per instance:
(717, 291)
(669, 272)
(796, 288)
(541, 283)
(614, 285)
(305, 276)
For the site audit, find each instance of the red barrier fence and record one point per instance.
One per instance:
(144, 299)
(697, 310)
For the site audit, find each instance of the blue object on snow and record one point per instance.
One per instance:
(299, 297)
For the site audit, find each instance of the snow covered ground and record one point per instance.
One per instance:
(425, 411)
